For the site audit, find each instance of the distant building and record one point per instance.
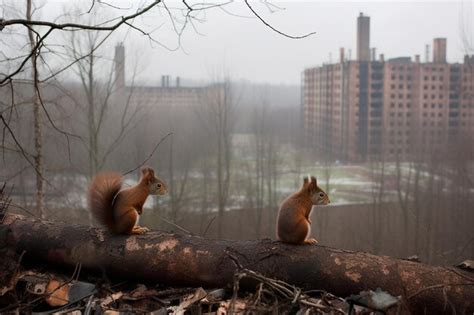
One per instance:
(356, 109)
(168, 94)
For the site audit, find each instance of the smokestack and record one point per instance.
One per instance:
(177, 81)
(382, 58)
(349, 54)
(439, 50)
(427, 53)
(163, 81)
(417, 58)
(341, 55)
(363, 38)
(119, 60)
(373, 54)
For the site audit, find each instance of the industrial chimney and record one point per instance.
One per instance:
(439, 50)
(119, 60)
(363, 38)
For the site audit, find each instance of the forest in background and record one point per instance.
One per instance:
(228, 171)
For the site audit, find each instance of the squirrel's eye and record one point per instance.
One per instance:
(321, 195)
(158, 185)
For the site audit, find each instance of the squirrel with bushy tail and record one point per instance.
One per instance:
(118, 208)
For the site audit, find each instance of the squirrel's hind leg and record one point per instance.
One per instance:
(310, 241)
(139, 230)
(126, 222)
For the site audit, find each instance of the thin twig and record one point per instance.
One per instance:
(149, 156)
(274, 29)
(176, 225)
(208, 226)
(438, 286)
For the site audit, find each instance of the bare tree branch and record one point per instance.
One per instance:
(149, 156)
(65, 26)
(273, 28)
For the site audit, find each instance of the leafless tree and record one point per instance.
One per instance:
(38, 137)
(110, 99)
(259, 132)
(266, 165)
(219, 103)
(378, 174)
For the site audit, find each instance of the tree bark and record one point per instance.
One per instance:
(185, 260)
(38, 133)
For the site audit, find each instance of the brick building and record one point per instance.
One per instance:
(355, 109)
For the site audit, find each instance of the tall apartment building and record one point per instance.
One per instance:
(355, 109)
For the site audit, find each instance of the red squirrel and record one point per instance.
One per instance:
(118, 208)
(293, 223)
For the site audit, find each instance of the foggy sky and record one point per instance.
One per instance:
(249, 50)
(253, 52)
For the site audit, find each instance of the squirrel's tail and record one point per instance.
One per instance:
(102, 191)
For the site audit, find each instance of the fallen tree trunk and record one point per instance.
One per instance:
(184, 260)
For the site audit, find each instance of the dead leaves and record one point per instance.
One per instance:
(35, 291)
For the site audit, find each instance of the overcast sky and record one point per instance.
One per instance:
(250, 50)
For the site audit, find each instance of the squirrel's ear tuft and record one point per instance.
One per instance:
(314, 181)
(148, 174)
(147, 170)
(305, 180)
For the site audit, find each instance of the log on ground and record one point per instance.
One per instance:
(186, 260)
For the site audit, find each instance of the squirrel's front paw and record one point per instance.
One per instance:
(311, 241)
